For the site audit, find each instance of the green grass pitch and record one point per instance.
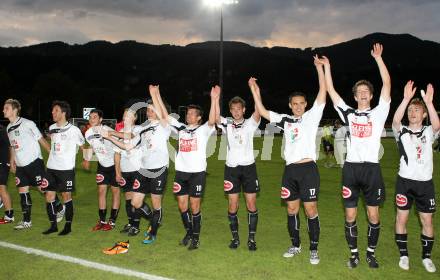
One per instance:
(214, 260)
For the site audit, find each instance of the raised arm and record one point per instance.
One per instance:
(217, 110)
(256, 115)
(257, 98)
(334, 96)
(161, 105)
(385, 92)
(215, 96)
(322, 93)
(408, 94)
(155, 95)
(428, 97)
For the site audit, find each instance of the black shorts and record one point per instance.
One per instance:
(4, 173)
(300, 181)
(131, 181)
(106, 175)
(155, 180)
(328, 147)
(60, 180)
(422, 192)
(191, 184)
(33, 174)
(365, 177)
(238, 176)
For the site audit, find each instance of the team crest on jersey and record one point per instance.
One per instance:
(227, 186)
(122, 182)
(136, 184)
(17, 181)
(99, 178)
(176, 187)
(401, 200)
(285, 193)
(346, 192)
(44, 183)
(17, 133)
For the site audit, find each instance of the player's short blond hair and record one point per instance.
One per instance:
(15, 104)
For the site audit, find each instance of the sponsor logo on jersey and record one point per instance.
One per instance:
(122, 182)
(362, 130)
(17, 181)
(346, 192)
(136, 184)
(285, 193)
(227, 186)
(401, 200)
(99, 178)
(188, 145)
(176, 187)
(44, 183)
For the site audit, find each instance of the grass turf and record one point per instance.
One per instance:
(214, 260)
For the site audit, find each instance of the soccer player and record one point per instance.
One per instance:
(240, 169)
(361, 171)
(5, 163)
(190, 165)
(105, 174)
(65, 140)
(301, 180)
(128, 157)
(414, 181)
(25, 139)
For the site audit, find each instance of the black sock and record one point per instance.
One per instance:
(373, 237)
(9, 213)
(351, 234)
(293, 228)
(114, 214)
(233, 225)
(26, 206)
(197, 224)
(58, 204)
(129, 210)
(252, 222)
(51, 214)
(427, 244)
(187, 221)
(146, 211)
(69, 211)
(135, 218)
(156, 220)
(102, 215)
(314, 230)
(402, 243)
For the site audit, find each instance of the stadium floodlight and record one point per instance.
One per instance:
(220, 4)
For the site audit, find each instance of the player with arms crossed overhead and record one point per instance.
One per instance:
(105, 173)
(5, 163)
(65, 140)
(301, 180)
(414, 181)
(361, 171)
(240, 168)
(25, 139)
(190, 165)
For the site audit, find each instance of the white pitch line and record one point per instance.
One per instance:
(94, 265)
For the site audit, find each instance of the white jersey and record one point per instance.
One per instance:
(191, 154)
(102, 148)
(299, 133)
(364, 130)
(130, 160)
(23, 136)
(64, 146)
(153, 142)
(415, 148)
(240, 137)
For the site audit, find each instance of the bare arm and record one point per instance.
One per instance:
(408, 94)
(43, 142)
(322, 93)
(257, 99)
(256, 115)
(385, 92)
(13, 166)
(215, 96)
(428, 97)
(118, 172)
(155, 94)
(163, 108)
(334, 96)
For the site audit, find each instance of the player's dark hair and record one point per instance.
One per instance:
(15, 104)
(418, 102)
(236, 100)
(99, 112)
(198, 110)
(64, 106)
(297, 93)
(363, 83)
